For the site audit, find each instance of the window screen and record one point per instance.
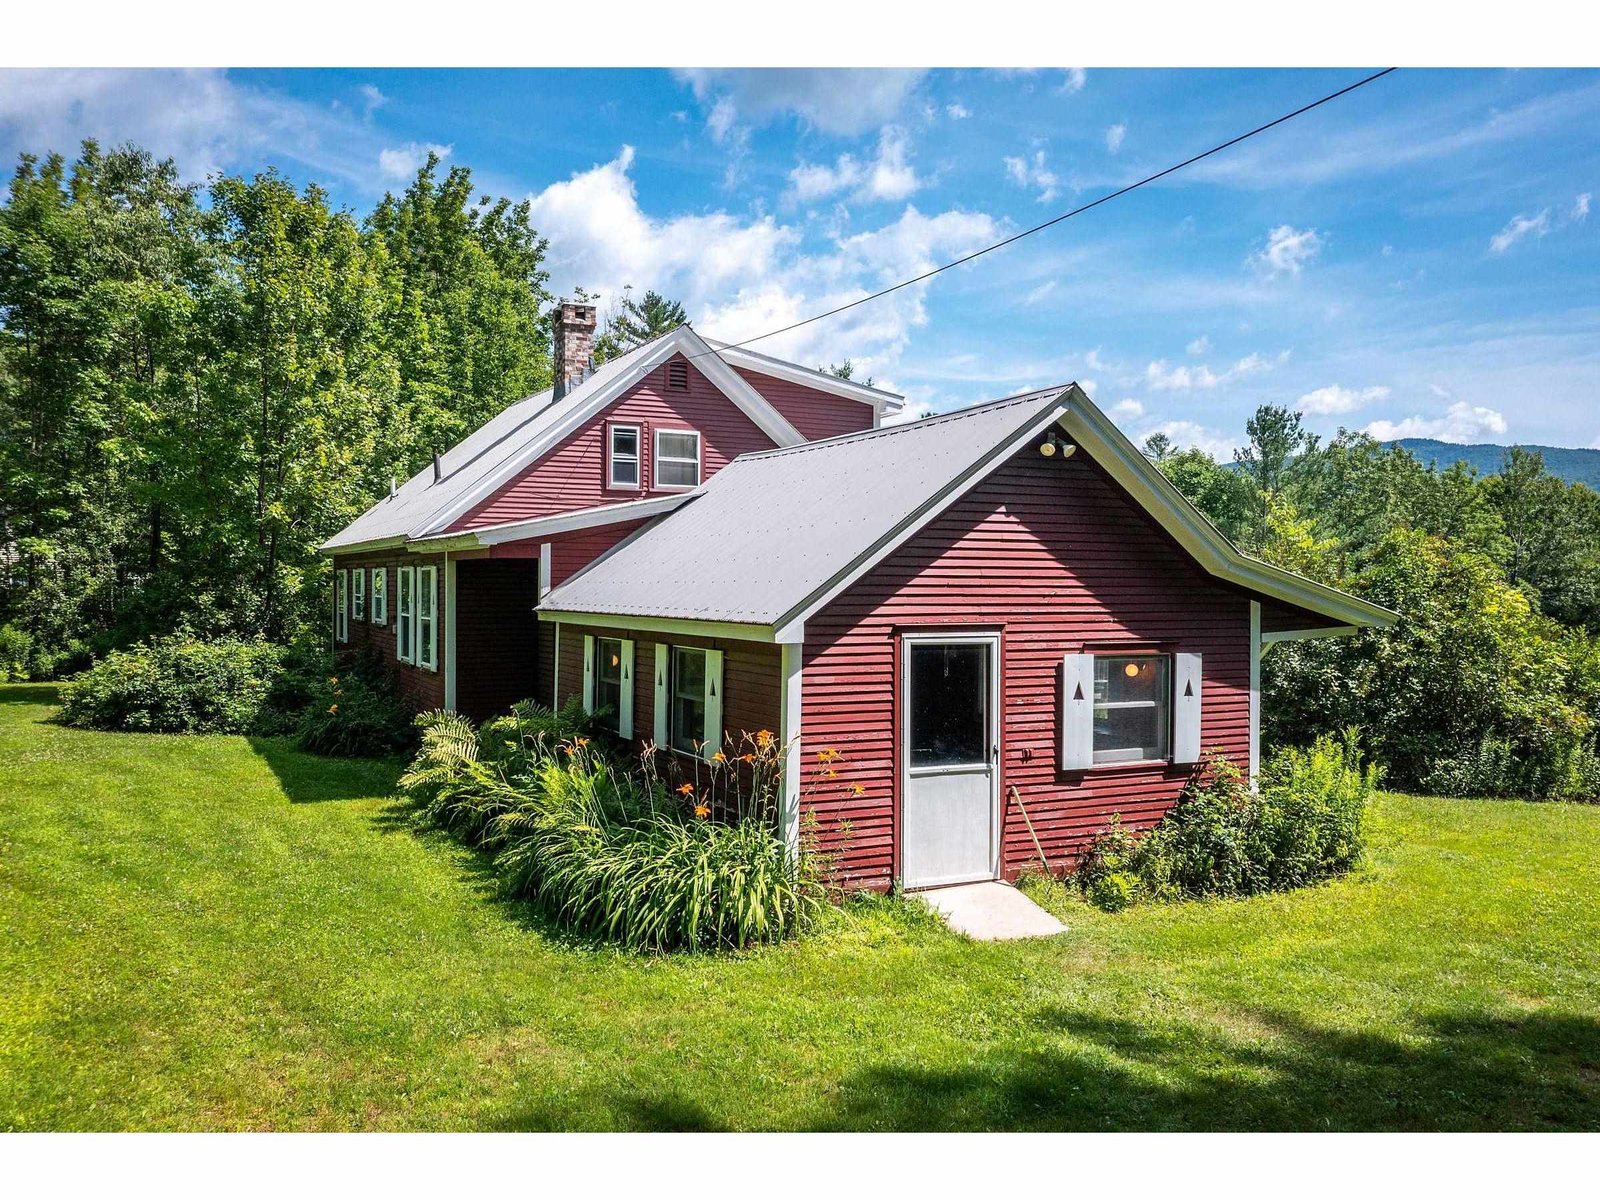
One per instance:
(1132, 707)
(688, 698)
(949, 715)
(608, 679)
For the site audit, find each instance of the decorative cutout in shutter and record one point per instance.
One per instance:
(1186, 708)
(588, 672)
(660, 713)
(625, 701)
(713, 732)
(1077, 712)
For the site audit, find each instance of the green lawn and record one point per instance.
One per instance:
(219, 933)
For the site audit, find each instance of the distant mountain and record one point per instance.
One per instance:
(1575, 466)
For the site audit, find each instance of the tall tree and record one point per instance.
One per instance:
(634, 322)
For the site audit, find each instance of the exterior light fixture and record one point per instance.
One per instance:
(1053, 445)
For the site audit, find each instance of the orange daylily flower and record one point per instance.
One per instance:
(857, 789)
(686, 790)
(333, 708)
(719, 757)
(701, 811)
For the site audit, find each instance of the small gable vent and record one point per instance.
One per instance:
(678, 376)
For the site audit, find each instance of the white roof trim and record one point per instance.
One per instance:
(555, 523)
(392, 542)
(1189, 527)
(585, 408)
(880, 399)
(791, 626)
(732, 630)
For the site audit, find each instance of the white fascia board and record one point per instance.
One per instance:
(1302, 635)
(383, 543)
(1157, 495)
(556, 523)
(791, 625)
(732, 630)
(880, 399)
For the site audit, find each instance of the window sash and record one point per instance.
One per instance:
(616, 458)
(427, 641)
(341, 606)
(1122, 741)
(358, 595)
(405, 581)
(678, 470)
(380, 595)
(608, 679)
(687, 700)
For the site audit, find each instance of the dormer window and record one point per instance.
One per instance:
(678, 376)
(677, 458)
(622, 458)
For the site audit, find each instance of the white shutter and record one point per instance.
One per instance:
(625, 700)
(663, 652)
(713, 731)
(588, 672)
(1077, 712)
(1186, 708)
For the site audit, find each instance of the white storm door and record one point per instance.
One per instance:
(950, 768)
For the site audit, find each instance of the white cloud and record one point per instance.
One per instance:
(1200, 345)
(1076, 77)
(1181, 378)
(1580, 208)
(1189, 433)
(1287, 251)
(1114, 137)
(957, 111)
(889, 176)
(372, 99)
(1093, 361)
(1043, 292)
(837, 100)
(1127, 410)
(1327, 401)
(1461, 423)
(739, 276)
(1033, 173)
(1518, 228)
(401, 162)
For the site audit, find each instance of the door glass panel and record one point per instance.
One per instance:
(949, 704)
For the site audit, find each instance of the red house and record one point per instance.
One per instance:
(1002, 606)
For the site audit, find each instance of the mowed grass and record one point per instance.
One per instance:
(219, 933)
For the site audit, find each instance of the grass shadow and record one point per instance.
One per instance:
(30, 693)
(1461, 1072)
(314, 779)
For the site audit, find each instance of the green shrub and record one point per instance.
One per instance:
(612, 851)
(177, 685)
(350, 711)
(16, 654)
(1303, 823)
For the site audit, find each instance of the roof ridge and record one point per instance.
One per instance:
(955, 414)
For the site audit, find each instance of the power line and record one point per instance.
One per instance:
(1017, 237)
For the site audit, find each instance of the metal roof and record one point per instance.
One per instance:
(769, 530)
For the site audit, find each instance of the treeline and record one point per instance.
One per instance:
(1490, 682)
(199, 385)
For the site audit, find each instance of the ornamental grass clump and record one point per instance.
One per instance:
(676, 854)
(1302, 824)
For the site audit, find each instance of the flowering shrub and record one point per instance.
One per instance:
(673, 854)
(1302, 824)
(353, 714)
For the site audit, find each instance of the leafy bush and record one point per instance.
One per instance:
(1303, 824)
(16, 654)
(353, 715)
(177, 685)
(615, 852)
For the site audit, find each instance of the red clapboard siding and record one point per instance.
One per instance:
(572, 475)
(417, 689)
(815, 413)
(1055, 554)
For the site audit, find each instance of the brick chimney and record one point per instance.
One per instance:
(573, 326)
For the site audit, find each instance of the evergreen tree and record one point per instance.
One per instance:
(632, 323)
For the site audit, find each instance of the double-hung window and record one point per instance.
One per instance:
(380, 595)
(1132, 707)
(405, 614)
(608, 679)
(341, 605)
(689, 732)
(358, 595)
(427, 605)
(677, 458)
(622, 456)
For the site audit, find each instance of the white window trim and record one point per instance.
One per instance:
(404, 615)
(341, 605)
(358, 595)
(637, 459)
(657, 458)
(380, 590)
(430, 590)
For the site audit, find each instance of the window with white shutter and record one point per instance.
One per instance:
(427, 641)
(1129, 708)
(341, 605)
(358, 595)
(380, 595)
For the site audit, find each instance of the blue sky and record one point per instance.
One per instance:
(1417, 258)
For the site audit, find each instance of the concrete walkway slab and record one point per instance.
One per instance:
(991, 912)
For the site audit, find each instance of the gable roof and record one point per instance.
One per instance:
(774, 536)
(882, 401)
(494, 454)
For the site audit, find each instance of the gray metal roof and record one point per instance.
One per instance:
(770, 530)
